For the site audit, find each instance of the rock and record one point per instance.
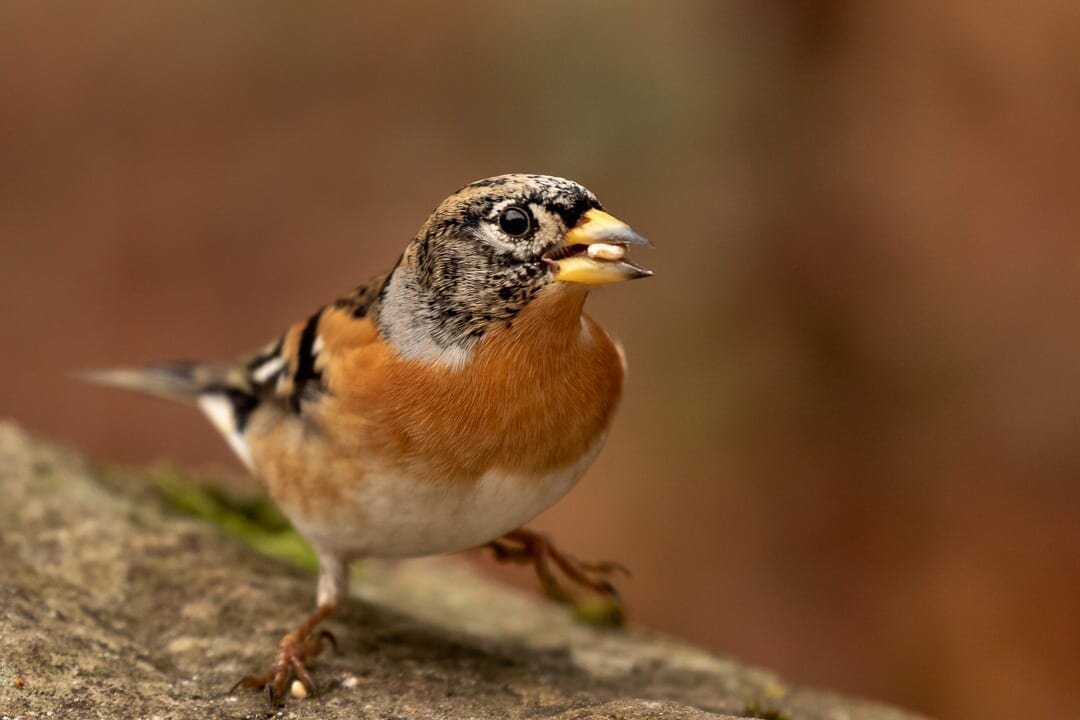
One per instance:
(112, 606)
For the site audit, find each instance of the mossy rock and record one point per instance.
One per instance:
(115, 605)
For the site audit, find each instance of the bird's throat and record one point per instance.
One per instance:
(423, 324)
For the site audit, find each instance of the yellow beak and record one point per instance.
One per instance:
(595, 249)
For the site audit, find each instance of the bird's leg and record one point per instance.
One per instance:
(525, 546)
(294, 652)
(299, 646)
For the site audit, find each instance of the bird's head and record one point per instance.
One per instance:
(520, 231)
(495, 245)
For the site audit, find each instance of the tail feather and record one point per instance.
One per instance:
(224, 394)
(183, 381)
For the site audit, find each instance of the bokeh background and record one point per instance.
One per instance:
(850, 445)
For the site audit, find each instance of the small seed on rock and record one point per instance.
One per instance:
(19, 682)
(298, 690)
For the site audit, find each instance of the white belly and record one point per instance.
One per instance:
(399, 516)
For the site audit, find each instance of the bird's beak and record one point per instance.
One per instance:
(595, 250)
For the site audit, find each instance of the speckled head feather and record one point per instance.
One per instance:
(477, 261)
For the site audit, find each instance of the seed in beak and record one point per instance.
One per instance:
(604, 251)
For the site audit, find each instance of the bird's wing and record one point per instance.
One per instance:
(290, 370)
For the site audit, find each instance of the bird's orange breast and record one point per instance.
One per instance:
(536, 395)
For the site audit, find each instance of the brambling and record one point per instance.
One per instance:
(438, 407)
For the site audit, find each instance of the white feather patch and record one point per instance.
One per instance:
(222, 415)
(269, 368)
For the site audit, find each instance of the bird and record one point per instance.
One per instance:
(438, 407)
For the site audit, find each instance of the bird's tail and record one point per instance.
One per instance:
(223, 393)
(182, 381)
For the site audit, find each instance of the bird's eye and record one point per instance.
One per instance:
(515, 221)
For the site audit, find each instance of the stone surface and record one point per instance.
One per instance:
(112, 606)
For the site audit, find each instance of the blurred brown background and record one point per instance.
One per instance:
(849, 449)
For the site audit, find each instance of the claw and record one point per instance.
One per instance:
(606, 567)
(327, 635)
(294, 651)
(525, 546)
(249, 681)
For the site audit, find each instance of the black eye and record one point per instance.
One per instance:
(515, 221)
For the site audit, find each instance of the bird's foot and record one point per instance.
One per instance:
(294, 653)
(525, 546)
